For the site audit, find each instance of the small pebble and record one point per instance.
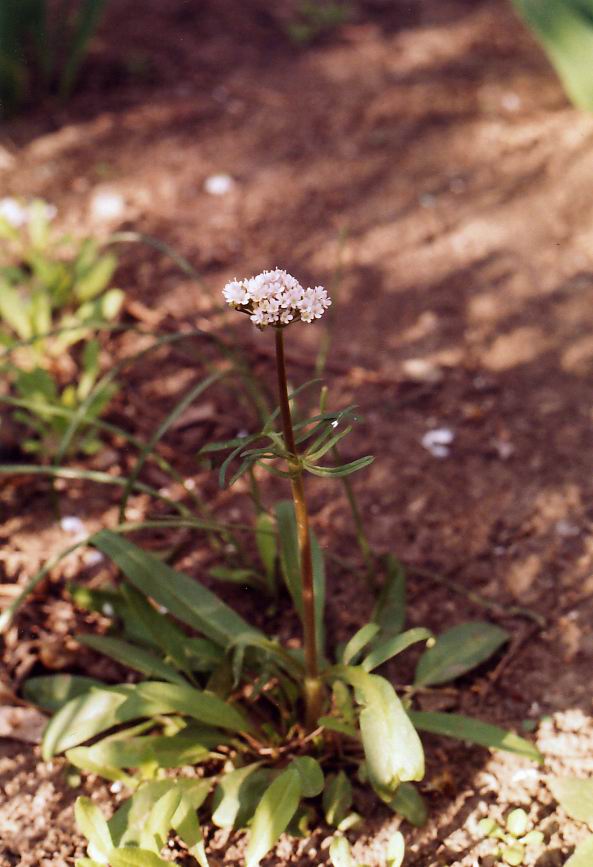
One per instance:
(218, 185)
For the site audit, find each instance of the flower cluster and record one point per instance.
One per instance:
(276, 298)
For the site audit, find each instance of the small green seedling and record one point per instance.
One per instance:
(340, 853)
(514, 839)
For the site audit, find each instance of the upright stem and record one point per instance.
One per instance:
(313, 691)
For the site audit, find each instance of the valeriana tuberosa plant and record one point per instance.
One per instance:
(276, 299)
(279, 736)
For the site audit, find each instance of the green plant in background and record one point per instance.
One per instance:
(54, 294)
(315, 18)
(43, 45)
(565, 31)
(514, 839)
(575, 796)
(281, 734)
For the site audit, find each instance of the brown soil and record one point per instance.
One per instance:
(422, 161)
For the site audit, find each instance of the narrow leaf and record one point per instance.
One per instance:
(274, 812)
(185, 598)
(390, 610)
(358, 641)
(127, 823)
(390, 648)
(134, 657)
(51, 691)
(464, 728)
(337, 798)
(265, 537)
(185, 822)
(92, 823)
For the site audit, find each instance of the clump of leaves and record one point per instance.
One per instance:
(280, 735)
(42, 46)
(575, 796)
(316, 18)
(514, 839)
(54, 295)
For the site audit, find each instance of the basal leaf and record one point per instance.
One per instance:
(174, 751)
(185, 598)
(237, 795)
(156, 830)
(92, 823)
(359, 640)
(52, 691)
(390, 610)
(392, 748)
(185, 822)
(291, 569)
(409, 803)
(386, 650)
(79, 757)
(100, 709)
(309, 770)
(337, 798)
(274, 812)
(457, 651)
(128, 857)
(575, 796)
(127, 823)
(289, 552)
(141, 660)
(464, 728)
(265, 538)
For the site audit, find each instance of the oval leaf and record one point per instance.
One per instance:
(409, 803)
(457, 651)
(309, 770)
(274, 812)
(339, 852)
(392, 748)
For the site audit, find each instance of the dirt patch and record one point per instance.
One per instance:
(424, 163)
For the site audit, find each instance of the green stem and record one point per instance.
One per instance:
(313, 690)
